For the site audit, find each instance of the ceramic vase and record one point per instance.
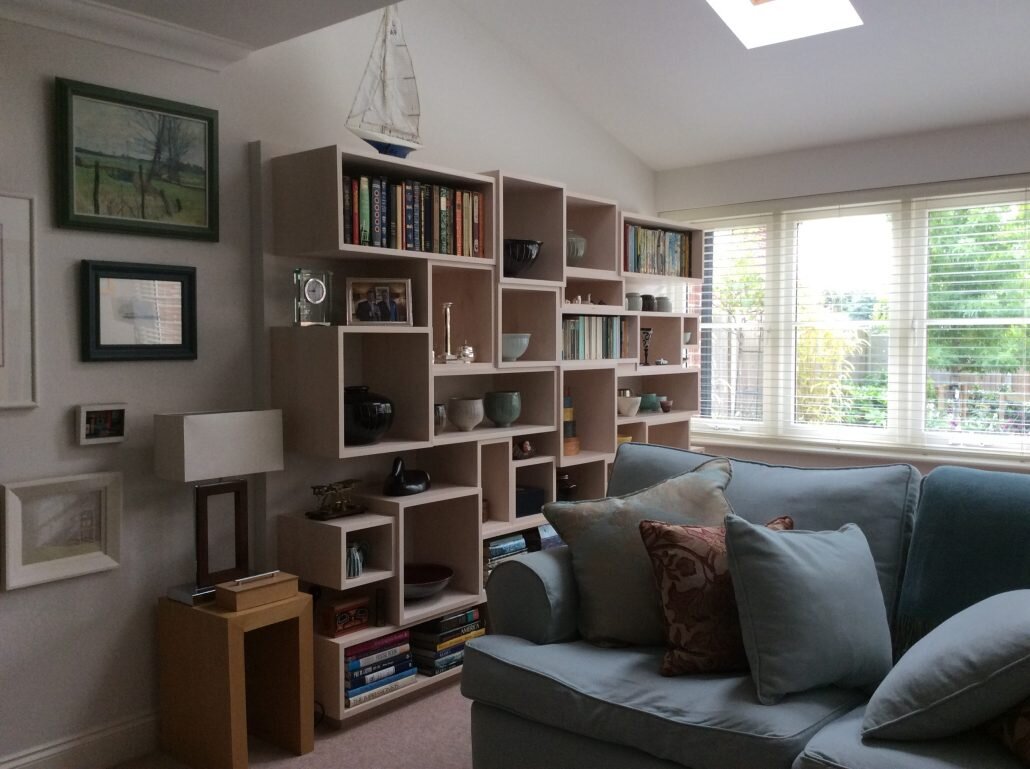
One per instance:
(366, 416)
(465, 413)
(503, 407)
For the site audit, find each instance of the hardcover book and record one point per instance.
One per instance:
(431, 639)
(364, 212)
(393, 639)
(348, 211)
(377, 210)
(459, 216)
(381, 691)
(372, 657)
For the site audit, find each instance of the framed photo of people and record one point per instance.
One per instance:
(378, 302)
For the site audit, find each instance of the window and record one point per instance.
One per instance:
(901, 322)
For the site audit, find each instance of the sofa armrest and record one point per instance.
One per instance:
(534, 597)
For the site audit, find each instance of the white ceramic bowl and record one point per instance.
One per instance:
(629, 405)
(465, 413)
(513, 346)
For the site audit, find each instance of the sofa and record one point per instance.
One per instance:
(543, 697)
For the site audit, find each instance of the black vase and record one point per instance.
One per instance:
(366, 416)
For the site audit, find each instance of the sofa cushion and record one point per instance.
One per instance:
(881, 500)
(692, 574)
(810, 611)
(618, 603)
(969, 543)
(972, 667)
(618, 696)
(840, 745)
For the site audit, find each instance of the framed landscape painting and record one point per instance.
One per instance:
(136, 164)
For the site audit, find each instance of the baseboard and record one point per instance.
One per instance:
(99, 748)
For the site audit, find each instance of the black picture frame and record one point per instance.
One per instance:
(116, 302)
(202, 495)
(104, 137)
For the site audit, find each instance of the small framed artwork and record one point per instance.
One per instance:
(136, 164)
(17, 303)
(61, 527)
(101, 423)
(378, 301)
(137, 311)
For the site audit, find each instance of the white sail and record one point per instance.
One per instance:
(386, 108)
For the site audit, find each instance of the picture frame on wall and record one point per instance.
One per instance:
(132, 311)
(101, 423)
(17, 302)
(132, 163)
(57, 528)
(379, 302)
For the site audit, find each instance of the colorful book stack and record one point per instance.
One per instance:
(376, 668)
(413, 216)
(656, 252)
(439, 646)
(500, 549)
(590, 337)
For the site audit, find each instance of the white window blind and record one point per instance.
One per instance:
(902, 320)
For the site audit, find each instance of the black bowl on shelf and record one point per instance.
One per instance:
(519, 255)
(422, 580)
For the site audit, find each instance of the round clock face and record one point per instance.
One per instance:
(314, 291)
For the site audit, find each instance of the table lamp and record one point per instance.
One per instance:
(216, 447)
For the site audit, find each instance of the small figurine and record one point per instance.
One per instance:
(661, 362)
(334, 500)
(523, 450)
(404, 483)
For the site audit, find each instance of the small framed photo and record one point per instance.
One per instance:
(61, 527)
(378, 302)
(101, 423)
(137, 311)
(135, 164)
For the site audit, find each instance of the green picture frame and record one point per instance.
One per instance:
(135, 164)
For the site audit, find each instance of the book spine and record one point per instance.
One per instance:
(393, 639)
(377, 210)
(446, 658)
(355, 236)
(363, 212)
(383, 221)
(466, 205)
(377, 666)
(435, 671)
(427, 218)
(459, 230)
(462, 639)
(436, 219)
(383, 682)
(373, 657)
(348, 205)
(392, 239)
(380, 691)
(409, 216)
(477, 235)
(502, 548)
(424, 655)
(356, 682)
(416, 217)
(421, 639)
(450, 622)
(445, 220)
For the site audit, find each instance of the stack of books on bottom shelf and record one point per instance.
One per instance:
(501, 549)
(439, 645)
(378, 667)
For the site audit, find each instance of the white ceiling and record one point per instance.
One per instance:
(667, 79)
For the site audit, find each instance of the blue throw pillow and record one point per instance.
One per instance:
(811, 608)
(969, 669)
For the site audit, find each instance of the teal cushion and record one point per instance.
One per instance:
(618, 601)
(972, 667)
(810, 608)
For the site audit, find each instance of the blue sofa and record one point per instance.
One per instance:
(544, 698)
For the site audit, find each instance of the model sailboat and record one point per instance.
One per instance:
(385, 112)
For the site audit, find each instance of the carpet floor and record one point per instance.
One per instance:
(431, 732)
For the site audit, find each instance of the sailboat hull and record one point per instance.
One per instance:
(393, 150)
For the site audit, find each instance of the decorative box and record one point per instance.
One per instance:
(336, 618)
(258, 590)
(528, 500)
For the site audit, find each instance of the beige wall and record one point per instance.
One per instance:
(77, 656)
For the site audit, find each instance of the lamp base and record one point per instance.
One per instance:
(191, 594)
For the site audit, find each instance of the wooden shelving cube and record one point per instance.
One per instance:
(593, 403)
(680, 385)
(312, 365)
(594, 289)
(666, 337)
(538, 394)
(696, 246)
(670, 434)
(532, 209)
(597, 220)
(530, 311)
(497, 483)
(472, 316)
(316, 551)
(539, 475)
(591, 479)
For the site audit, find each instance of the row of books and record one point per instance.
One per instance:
(413, 216)
(439, 645)
(497, 550)
(375, 668)
(592, 337)
(656, 252)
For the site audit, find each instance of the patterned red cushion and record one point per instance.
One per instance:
(1014, 730)
(691, 571)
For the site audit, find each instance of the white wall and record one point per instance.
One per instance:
(962, 153)
(78, 656)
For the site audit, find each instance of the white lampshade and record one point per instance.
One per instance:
(206, 445)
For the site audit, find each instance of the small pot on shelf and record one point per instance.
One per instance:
(367, 416)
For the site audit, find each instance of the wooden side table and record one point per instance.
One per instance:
(222, 671)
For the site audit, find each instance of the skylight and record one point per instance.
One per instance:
(764, 22)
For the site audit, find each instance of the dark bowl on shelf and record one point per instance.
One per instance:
(519, 255)
(422, 580)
